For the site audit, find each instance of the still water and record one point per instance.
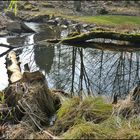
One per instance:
(74, 69)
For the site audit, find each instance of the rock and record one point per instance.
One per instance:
(35, 9)
(14, 27)
(93, 25)
(52, 22)
(38, 18)
(85, 25)
(103, 11)
(17, 27)
(64, 22)
(11, 15)
(58, 19)
(3, 20)
(48, 5)
(3, 33)
(64, 26)
(26, 28)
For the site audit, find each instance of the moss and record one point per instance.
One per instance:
(135, 38)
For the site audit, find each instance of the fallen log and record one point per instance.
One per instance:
(135, 38)
(98, 34)
(108, 46)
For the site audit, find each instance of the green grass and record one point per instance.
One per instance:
(74, 111)
(85, 130)
(112, 20)
(109, 19)
(92, 118)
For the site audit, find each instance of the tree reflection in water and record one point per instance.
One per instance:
(93, 71)
(84, 71)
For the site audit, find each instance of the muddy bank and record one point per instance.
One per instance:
(87, 7)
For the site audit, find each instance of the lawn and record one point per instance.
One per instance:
(109, 19)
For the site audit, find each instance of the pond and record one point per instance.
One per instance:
(79, 70)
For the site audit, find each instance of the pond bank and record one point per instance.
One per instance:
(55, 114)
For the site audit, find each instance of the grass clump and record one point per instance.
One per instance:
(85, 131)
(68, 106)
(127, 133)
(74, 111)
(92, 118)
(95, 109)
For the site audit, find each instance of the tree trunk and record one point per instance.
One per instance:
(77, 5)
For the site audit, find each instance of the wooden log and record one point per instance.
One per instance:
(135, 38)
(13, 68)
(99, 33)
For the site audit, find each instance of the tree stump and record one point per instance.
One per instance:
(28, 93)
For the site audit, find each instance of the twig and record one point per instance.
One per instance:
(43, 131)
(4, 53)
(7, 46)
(5, 108)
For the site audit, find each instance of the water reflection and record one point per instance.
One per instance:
(44, 57)
(95, 71)
(3, 75)
(77, 70)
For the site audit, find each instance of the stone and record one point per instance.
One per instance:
(35, 9)
(26, 28)
(39, 18)
(17, 27)
(14, 27)
(52, 22)
(3, 33)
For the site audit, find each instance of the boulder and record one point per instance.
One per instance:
(39, 18)
(17, 27)
(3, 33)
(14, 27)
